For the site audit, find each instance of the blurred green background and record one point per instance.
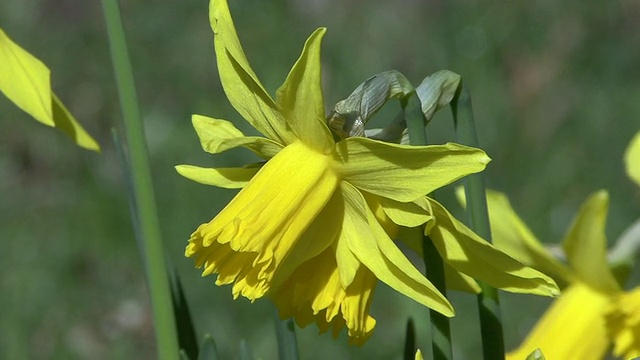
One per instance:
(556, 93)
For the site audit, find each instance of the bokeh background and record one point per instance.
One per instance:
(555, 88)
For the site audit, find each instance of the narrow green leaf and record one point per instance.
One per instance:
(441, 332)
(244, 351)
(208, 350)
(187, 339)
(143, 196)
(412, 110)
(286, 336)
(488, 301)
(410, 341)
(183, 355)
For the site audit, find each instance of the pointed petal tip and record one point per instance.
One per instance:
(451, 313)
(602, 195)
(485, 159)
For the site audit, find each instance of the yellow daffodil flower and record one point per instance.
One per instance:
(312, 227)
(632, 159)
(593, 308)
(25, 80)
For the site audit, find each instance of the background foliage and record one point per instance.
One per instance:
(555, 91)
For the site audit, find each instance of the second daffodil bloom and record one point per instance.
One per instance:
(302, 230)
(593, 310)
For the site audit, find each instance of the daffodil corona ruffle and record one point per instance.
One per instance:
(313, 293)
(265, 220)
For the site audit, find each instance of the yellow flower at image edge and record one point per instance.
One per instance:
(25, 80)
(632, 159)
(302, 230)
(593, 310)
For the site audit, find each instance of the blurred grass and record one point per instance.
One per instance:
(554, 87)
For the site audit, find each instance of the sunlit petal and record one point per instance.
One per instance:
(322, 233)
(413, 237)
(466, 252)
(218, 135)
(408, 214)
(586, 244)
(300, 98)
(405, 173)
(511, 235)
(378, 253)
(240, 83)
(228, 178)
(459, 281)
(25, 80)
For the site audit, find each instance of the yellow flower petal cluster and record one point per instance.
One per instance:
(592, 310)
(313, 227)
(25, 80)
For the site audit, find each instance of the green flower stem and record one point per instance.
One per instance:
(488, 300)
(286, 336)
(144, 199)
(440, 328)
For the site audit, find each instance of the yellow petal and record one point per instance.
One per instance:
(511, 235)
(459, 281)
(409, 214)
(267, 217)
(632, 159)
(240, 83)
(348, 263)
(313, 293)
(572, 328)
(25, 80)
(623, 322)
(586, 244)
(322, 233)
(456, 280)
(69, 125)
(218, 135)
(468, 253)
(401, 172)
(228, 178)
(300, 97)
(378, 253)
